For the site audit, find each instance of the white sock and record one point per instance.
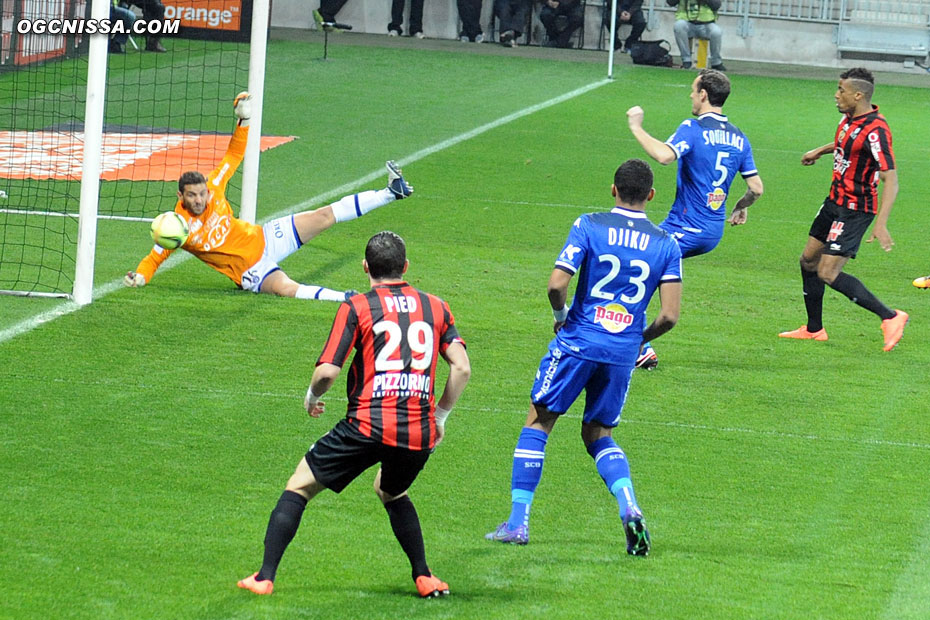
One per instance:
(357, 205)
(311, 291)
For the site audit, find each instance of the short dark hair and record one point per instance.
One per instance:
(633, 180)
(386, 254)
(191, 177)
(862, 79)
(717, 85)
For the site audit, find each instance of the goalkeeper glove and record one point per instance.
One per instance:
(134, 279)
(242, 105)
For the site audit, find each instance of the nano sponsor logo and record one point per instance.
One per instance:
(613, 317)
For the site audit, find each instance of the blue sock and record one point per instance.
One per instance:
(527, 471)
(613, 467)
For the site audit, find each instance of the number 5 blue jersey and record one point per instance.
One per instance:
(620, 258)
(711, 151)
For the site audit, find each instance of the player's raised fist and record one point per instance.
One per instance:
(242, 105)
(635, 116)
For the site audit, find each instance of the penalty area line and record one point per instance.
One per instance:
(68, 307)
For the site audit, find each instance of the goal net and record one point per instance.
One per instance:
(165, 112)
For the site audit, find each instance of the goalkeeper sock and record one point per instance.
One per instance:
(311, 291)
(813, 299)
(528, 459)
(357, 205)
(853, 288)
(406, 526)
(614, 469)
(283, 524)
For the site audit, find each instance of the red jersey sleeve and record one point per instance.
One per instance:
(880, 144)
(342, 337)
(450, 334)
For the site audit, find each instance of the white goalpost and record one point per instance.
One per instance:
(76, 153)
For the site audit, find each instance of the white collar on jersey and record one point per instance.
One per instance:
(720, 117)
(628, 213)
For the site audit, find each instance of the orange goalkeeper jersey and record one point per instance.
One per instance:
(217, 237)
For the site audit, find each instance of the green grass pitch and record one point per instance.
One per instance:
(145, 438)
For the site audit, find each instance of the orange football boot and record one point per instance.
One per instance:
(893, 329)
(265, 586)
(801, 333)
(431, 586)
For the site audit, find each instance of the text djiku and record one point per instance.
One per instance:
(97, 26)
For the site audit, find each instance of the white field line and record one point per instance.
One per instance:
(27, 325)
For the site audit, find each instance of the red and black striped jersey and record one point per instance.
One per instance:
(862, 149)
(398, 333)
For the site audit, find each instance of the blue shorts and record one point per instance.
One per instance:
(692, 241)
(562, 376)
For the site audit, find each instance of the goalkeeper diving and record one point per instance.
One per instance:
(246, 253)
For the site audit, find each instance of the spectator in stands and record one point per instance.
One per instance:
(415, 21)
(512, 18)
(152, 10)
(628, 12)
(561, 19)
(698, 19)
(118, 41)
(470, 14)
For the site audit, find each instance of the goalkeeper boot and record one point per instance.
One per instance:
(265, 586)
(431, 586)
(519, 536)
(923, 282)
(637, 536)
(647, 360)
(893, 329)
(396, 183)
(801, 333)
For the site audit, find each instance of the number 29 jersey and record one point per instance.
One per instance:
(399, 333)
(620, 258)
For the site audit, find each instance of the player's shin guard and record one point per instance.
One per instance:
(853, 288)
(406, 526)
(357, 205)
(283, 524)
(813, 288)
(527, 471)
(311, 291)
(614, 469)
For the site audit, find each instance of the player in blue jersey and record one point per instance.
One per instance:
(621, 258)
(710, 151)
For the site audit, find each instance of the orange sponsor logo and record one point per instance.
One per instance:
(208, 14)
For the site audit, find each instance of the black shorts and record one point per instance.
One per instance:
(840, 229)
(343, 453)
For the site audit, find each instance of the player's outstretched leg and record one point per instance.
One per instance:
(405, 524)
(282, 525)
(614, 469)
(647, 360)
(527, 471)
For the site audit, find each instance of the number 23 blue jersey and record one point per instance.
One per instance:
(620, 258)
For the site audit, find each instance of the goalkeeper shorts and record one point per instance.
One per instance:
(281, 240)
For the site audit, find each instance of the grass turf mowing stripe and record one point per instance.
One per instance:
(66, 308)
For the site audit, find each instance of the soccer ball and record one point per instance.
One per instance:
(169, 230)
